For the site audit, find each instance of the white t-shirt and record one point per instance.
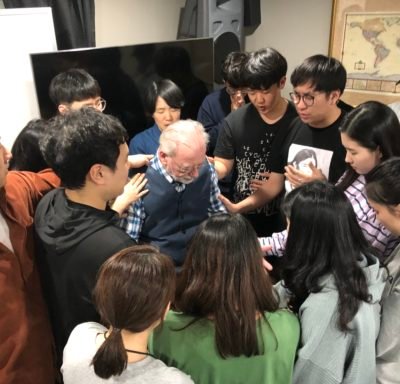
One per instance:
(81, 348)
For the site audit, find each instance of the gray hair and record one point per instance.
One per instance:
(190, 133)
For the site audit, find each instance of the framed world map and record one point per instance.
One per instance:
(365, 37)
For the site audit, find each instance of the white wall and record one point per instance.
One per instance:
(296, 28)
(18, 101)
(126, 22)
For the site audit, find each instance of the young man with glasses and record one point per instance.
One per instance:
(248, 136)
(219, 104)
(318, 84)
(183, 191)
(74, 89)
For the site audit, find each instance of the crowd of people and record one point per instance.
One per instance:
(259, 244)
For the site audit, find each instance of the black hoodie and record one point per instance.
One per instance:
(73, 242)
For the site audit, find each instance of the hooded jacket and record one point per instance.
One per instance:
(327, 355)
(73, 242)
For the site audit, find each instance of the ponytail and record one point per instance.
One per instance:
(111, 358)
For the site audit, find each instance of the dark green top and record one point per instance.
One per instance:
(193, 350)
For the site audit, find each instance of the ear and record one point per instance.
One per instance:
(62, 108)
(282, 82)
(96, 174)
(163, 157)
(397, 210)
(379, 152)
(334, 97)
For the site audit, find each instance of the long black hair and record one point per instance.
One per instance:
(372, 125)
(324, 238)
(223, 278)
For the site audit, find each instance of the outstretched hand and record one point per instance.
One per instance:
(261, 182)
(137, 161)
(297, 178)
(133, 191)
(231, 207)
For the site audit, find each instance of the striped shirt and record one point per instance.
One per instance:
(377, 235)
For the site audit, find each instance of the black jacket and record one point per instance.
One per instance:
(73, 242)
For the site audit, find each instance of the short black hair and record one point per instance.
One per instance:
(325, 74)
(232, 68)
(73, 85)
(166, 89)
(77, 140)
(264, 68)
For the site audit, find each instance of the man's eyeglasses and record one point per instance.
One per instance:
(233, 91)
(188, 170)
(308, 100)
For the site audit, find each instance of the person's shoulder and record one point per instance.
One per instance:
(168, 375)
(52, 197)
(174, 317)
(393, 261)
(145, 133)
(89, 327)
(137, 138)
(82, 341)
(284, 319)
(31, 183)
(213, 96)
(285, 326)
(112, 237)
(344, 106)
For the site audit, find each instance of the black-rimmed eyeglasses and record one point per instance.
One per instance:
(308, 100)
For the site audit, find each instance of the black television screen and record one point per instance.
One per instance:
(125, 72)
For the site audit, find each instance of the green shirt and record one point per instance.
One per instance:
(193, 350)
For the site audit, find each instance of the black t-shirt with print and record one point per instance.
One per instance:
(320, 138)
(248, 140)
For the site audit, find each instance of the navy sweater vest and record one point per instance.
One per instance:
(172, 217)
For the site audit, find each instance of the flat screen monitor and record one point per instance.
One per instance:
(125, 72)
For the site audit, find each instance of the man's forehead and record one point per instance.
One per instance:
(308, 87)
(190, 154)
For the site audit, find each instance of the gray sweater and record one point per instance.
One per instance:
(326, 355)
(388, 345)
(81, 348)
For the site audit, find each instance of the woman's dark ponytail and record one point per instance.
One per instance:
(111, 358)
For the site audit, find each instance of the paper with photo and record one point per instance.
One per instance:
(300, 156)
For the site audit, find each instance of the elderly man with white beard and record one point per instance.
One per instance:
(183, 191)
